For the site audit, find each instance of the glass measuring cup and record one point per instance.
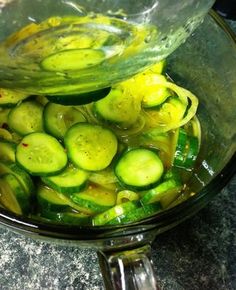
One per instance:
(68, 47)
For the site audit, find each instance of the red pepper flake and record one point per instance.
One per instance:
(25, 145)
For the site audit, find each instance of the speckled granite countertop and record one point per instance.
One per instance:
(197, 255)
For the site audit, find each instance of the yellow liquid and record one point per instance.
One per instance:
(88, 52)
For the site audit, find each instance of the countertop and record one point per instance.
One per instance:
(199, 254)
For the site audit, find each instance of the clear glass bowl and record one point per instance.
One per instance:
(128, 37)
(206, 65)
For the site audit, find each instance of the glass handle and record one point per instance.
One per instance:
(128, 270)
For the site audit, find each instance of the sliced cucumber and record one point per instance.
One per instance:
(7, 150)
(58, 119)
(114, 212)
(173, 173)
(26, 118)
(7, 197)
(118, 107)
(79, 99)
(186, 150)
(49, 200)
(73, 59)
(95, 198)
(155, 97)
(154, 94)
(41, 154)
(70, 180)
(75, 40)
(22, 176)
(179, 156)
(71, 218)
(9, 98)
(165, 193)
(12, 195)
(137, 214)
(193, 149)
(139, 168)
(90, 147)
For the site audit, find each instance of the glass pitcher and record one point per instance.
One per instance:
(67, 47)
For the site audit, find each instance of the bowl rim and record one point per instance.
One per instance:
(87, 233)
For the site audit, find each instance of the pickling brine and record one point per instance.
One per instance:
(66, 55)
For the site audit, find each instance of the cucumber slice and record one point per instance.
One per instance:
(154, 94)
(165, 193)
(22, 176)
(90, 147)
(79, 99)
(73, 59)
(137, 214)
(12, 195)
(143, 212)
(118, 107)
(71, 218)
(114, 212)
(7, 150)
(155, 97)
(186, 150)
(95, 198)
(70, 180)
(26, 118)
(139, 168)
(41, 154)
(173, 173)
(180, 148)
(192, 153)
(75, 40)
(58, 119)
(9, 98)
(50, 201)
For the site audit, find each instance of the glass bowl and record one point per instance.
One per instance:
(117, 39)
(206, 65)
